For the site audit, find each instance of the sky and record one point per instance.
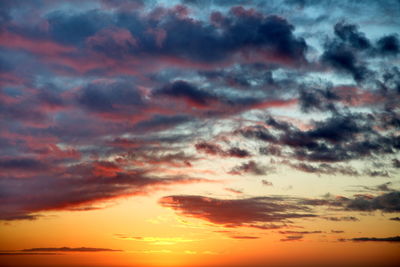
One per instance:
(199, 133)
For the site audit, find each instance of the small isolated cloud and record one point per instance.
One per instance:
(156, 240)
(244, 237)
(235, 191)
(342, 219)
(300, 232)
(292, 238)
(266, 183)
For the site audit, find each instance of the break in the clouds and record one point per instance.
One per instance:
(122, 98)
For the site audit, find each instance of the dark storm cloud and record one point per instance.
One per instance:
(343, 59)
(180, 36)
(75, 28)
(109, 98)
(350, 51)
(317, 100)
(349, 33)
(21, 164)
(182, 89)
(240, 29)
(389, 45)
(339, 128)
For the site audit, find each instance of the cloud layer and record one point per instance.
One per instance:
(122, 98)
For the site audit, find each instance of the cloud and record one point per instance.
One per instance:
(292, 238)
(385, 187)
(374, 239)
(266, 183)
(317, 100)
(108, 100)
(300, 232)
(244, 237)
(258, 212)
(247, 212)
(161, 122)
(157, 240)
(235, 191)
(51, 251)
(387, 202)
(337, 231)
(79, 185)
(389, 45)
(111, 98)
(349, 33)
(147, 35)
(75, 28)
(21, 164)
(345, 60)
(336, 139)
(342, 219)
(250, 167)
(69, 249)
(27, 254)
(182, 89)
(215, 149)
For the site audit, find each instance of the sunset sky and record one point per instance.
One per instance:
(241, 133)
